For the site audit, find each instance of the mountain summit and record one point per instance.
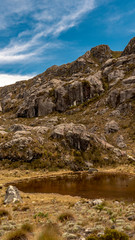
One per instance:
(73, 115)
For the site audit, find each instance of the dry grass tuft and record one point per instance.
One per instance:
(50, 233)
(27, 227)
(66, 216)
(17, 235)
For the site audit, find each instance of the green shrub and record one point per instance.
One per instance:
(41, 215)
(100, 207)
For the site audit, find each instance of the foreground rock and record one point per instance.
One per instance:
(12, 195)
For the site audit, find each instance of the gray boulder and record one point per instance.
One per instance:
(118, 96)
(12, 195)
(92, 170)
(111, 127)
(120, 142)
(76, 135)
(17, 127)
(130, 80)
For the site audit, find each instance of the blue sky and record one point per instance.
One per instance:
(36, 34)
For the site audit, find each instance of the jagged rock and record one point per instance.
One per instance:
(101, 53)
(120, 142)
(108, 63)
(20, 147)
(117, 96)
(44, 107)
(63, 96)
(116, 75)
(111, 127)
(40, 129)
(91, 170)
(12, 195)
(130, 80)
(96, 202)
(118, 152)
(76, 135)
(17, 127)
(130, 48)
(131, 158)
(115, 113)
(3, 133)
(19, 141)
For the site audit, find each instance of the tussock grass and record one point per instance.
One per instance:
(110, 234)
(4, 213)
(27, 227)
(17, 235)
(66, 216)
(50, 233)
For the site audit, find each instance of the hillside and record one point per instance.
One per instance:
(73, 116)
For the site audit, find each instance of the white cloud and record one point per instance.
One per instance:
(47, 18)
(6, 79)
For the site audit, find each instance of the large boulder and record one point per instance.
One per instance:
(111, 127)
(21, 147)
(120, 142)
(12, 195)
(76, 135)
(118, 96)
(17, 127)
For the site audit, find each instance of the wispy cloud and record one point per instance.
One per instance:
(47, 19)
(6, 79)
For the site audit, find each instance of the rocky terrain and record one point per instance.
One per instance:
(77, 116)
(73, 116)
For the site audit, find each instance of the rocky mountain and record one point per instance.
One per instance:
(73, 116)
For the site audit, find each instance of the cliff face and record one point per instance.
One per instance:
(84, 105)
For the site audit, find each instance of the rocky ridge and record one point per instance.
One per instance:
(73, 115)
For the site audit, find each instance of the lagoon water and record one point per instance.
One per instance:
(100, 185)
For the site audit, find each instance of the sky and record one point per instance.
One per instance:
(36, 34)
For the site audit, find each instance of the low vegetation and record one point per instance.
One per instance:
(27, 227)
(50, 233)
(17, 235)
(4, 213)
(110, 234)
(66, 216)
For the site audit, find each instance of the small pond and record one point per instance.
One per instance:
(99, 185)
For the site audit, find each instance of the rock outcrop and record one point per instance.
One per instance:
(76, 135)
(111, 127)
(12, 195)
(73, 113)
(130, 48)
